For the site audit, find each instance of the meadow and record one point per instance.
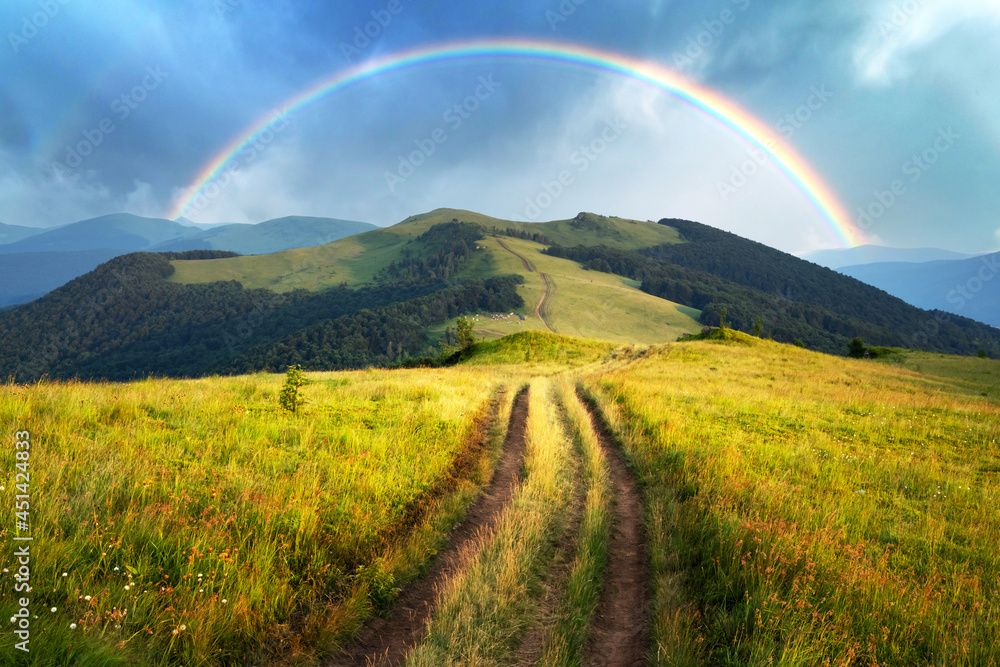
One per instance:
(804, 509)
(799, 508)
(195, 522)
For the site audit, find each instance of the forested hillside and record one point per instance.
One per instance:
(794, 299)
(125, 320)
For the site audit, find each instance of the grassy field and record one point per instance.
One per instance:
(812, 510)
(800, 509)
(580, 303)
(194, 522)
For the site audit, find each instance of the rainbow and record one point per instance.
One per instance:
(715, 105)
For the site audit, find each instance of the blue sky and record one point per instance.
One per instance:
(154, 88)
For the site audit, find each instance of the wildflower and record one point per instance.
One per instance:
(224, 600)
(116, 568)
(64, 574)
(126, 588)
(54, 610)
(72, 626)
(87, 598)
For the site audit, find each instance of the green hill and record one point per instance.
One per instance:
(357, 259)
(573, 301)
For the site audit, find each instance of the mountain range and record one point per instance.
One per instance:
(390, 296)
(969, 287)
(33, 261)
(838, 258)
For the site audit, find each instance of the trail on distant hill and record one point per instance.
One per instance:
(386, 640)
(620, 634)
(539, 309)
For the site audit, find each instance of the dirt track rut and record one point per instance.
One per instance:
(620, 633)
(385, 641)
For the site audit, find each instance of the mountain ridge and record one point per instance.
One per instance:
(388, 296)
(38, 262)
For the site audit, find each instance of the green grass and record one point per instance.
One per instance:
(536, 349)
(227, 528)
(806, 509)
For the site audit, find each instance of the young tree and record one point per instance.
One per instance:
(463, 331)
(723, 324)
(856, 348)
(291, 397)
(982, 353)
(758, 328)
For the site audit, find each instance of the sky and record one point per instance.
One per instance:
(111, 106)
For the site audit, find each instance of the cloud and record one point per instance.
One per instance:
(36, 197)
(898, 32)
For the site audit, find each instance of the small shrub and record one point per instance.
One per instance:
(291, 397)
(857, 349)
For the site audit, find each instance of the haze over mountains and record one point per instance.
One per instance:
(928, 278)
(969, 287)
(34, 261)
(838, 258)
